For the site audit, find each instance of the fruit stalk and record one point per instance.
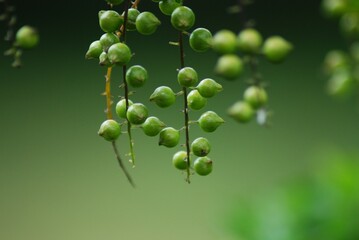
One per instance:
(120, 162)
(108, 93)
(186, 115)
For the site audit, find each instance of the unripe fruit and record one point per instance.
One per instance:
(334, 8)
(349, 24)
(249, 41)
(27, 37)
(169, 137)
(341, 84)
(107, 40)
(200, 40)
(201, 147)
(179, 160)
(187, 77)
(114, 2)
(137, 113)
(94, 50)
(182, 18)
(147, 23)
(168, 6)
(195, 100)
(335, 60)
(131, 19)
(121, 108)
(119, 53)
(110, 130)
(224, 42)
(163, 97)
(210, 121)
(208, 88)
(256, 96)
(152, 126)
(241, 112)
(276, 49)
(110, 20)
(203, 166)
(136, 76)
(103, 60)
(229, 66)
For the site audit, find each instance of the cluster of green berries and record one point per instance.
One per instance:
(342, 67)
(183, 19)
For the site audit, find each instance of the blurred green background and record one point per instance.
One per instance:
(59, 180)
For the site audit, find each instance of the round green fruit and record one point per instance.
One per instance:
(168, 6)
(27, 37)
(229, 66)
(152, 126)
(200, 40)
(179, 160)
(137, 113)
(249, 41)
(182, 18)
(335, 60)
(276, 49)
(103, 60)
(147, 23)
(208, 88)
(121, 108)
(203, 166)
(349, 24)
(334, 8)
(224, 42)
(241, 111)
(107, 40)
(119, 53)
(110, 20)
(256, 96)
(187, 77)
(163, 97)
(195, 100)
(210, 121)
(136, 76)
(94, 50)
(341, 84)
(110, 130)
(201, 147)
(131, 19)
(169, 137)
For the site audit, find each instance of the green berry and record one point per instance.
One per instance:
(335, 60)
(179, 160)
(203, 166)
(256, 96)
(136, 76)
(201, 147)
(349, 24)
(147, 23)
(187, 77)
(119, 53)
(229, 66)
(249, 41)
(341, 84)
(241, 112)
(200, 40)
(334, 8)
(110, 20)
(103, 60)
(131, 19)
(107, 40)
(110, 130)
(224, 42)
(137, 113)
(114, 2)
(276, 49)
(94, 50)
(208, 88)
(163, 97)
(121, 108)
(27, 37)
(152, 126)
(195, 100)
(168, 6)
(210, 121)
(182, 18)
(169, 137)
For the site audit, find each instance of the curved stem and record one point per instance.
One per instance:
(185, 110)
(108, 93)
(120, 162)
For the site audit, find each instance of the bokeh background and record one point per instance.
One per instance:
(59, 180)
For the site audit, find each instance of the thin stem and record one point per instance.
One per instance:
(185, 110)
(120, 162)
(108, 93)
